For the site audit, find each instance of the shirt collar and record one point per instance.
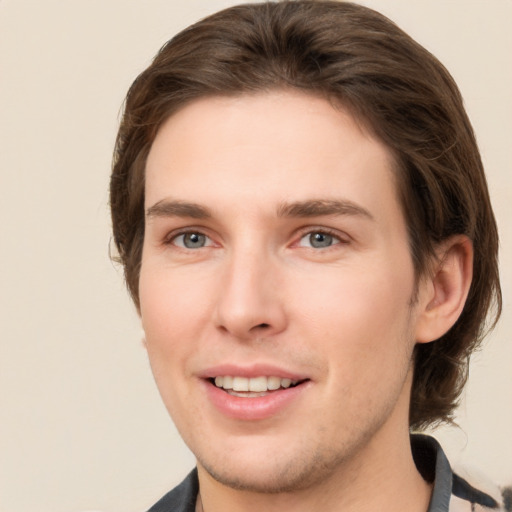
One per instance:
(435, 468)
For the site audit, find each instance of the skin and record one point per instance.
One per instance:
(256, 290)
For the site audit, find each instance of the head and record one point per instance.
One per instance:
(360, 62)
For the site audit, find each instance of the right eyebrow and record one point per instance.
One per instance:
(322, 207)
(173, 208)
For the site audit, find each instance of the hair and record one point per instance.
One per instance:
(359, 59)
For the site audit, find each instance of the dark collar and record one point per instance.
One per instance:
(434, 467)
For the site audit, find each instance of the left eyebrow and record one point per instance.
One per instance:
(320, 207)
(170, 208)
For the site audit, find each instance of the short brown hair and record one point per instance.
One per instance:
(359, 59)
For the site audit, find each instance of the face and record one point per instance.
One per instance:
(276, 265)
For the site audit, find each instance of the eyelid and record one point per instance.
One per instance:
(340, 236)
(170, 237)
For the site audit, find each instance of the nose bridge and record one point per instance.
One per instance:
(248, 302)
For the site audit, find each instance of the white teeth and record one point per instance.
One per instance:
(286, 383)
(227, 382)
(258, 384)
(254, 384)
(273, 383)
(240, 384)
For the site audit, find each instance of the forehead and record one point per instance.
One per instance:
(268, 147)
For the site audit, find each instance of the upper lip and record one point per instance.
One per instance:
(251, 371)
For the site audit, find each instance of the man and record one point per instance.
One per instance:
(300, 206)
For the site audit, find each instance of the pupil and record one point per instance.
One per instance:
(192, 240)
(320, 240)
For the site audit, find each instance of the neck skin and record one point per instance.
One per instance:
(380, 476)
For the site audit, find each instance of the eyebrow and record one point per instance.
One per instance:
(301, 209)
(173, 208)
(320, 207)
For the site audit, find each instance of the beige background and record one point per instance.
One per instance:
(81, 424)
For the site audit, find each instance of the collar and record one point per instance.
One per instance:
(449, 487)
(434, 467)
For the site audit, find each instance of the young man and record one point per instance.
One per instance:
(301, 210)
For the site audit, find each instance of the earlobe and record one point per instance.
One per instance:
(445, 290)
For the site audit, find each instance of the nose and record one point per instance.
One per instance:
(250, 303)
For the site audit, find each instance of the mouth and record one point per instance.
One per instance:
(256, 393)
(253, 387)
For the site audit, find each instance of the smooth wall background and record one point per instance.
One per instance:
(81, 423)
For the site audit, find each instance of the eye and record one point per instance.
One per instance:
(191, 240)
(318, 240)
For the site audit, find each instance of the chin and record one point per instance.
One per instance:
(267, 480)
(272, 472)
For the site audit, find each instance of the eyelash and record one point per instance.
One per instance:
(339, 240)
(172, 237)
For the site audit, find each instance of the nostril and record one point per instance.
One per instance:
(260, 327)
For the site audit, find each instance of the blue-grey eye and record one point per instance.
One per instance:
(317, 240)
(191, 240)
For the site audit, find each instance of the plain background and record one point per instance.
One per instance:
(81, 423)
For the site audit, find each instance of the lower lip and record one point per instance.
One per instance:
(253, 408)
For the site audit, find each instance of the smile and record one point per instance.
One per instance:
(252, 387)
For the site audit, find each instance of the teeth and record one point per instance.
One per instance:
(227, 382)
(254, 384)
(240, 384)
(273, 383)
(258, 384)
(286, 383)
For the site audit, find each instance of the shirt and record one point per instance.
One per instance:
(451, 493)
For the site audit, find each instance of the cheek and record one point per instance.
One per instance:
(359, 311)
(362, 325)
(169, 313)
(172, 305)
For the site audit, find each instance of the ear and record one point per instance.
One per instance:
(444, 291)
